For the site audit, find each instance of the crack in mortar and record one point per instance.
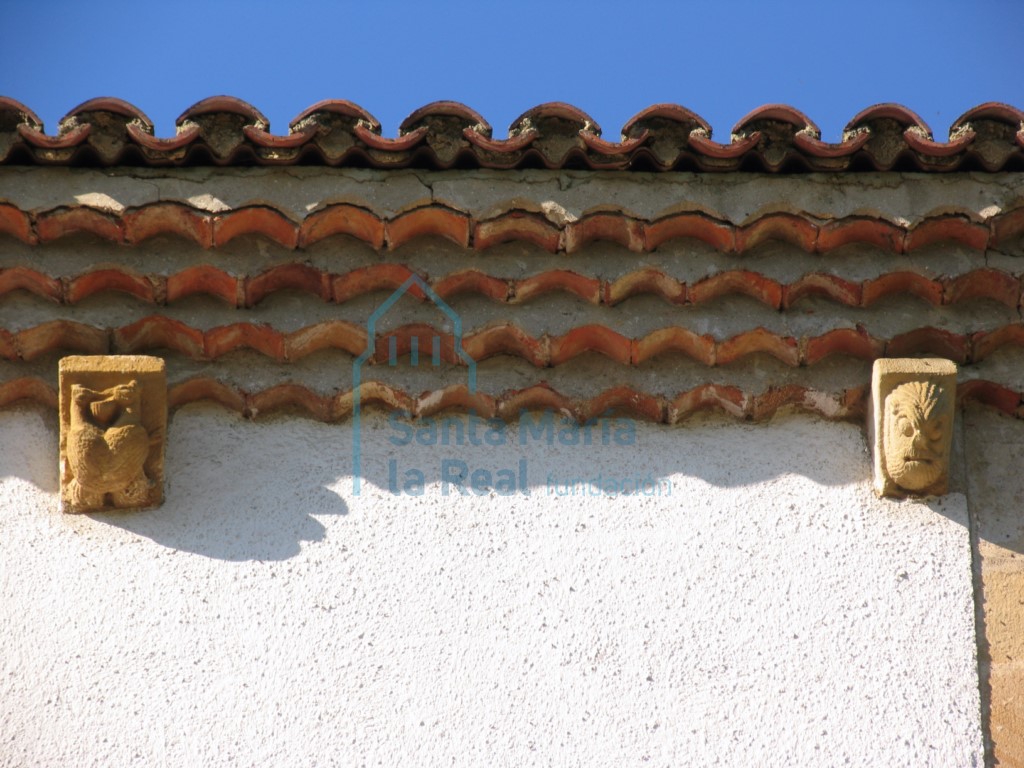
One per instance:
(428, 184)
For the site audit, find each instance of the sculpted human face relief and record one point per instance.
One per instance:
(915, 434)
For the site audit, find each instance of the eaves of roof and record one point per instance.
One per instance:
(225, 131)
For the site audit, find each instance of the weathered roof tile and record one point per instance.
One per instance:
(223, 130)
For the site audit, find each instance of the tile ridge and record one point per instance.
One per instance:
(223, 130)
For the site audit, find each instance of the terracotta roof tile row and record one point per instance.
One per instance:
(209, 230)
(156, 333)
(248, 291)
(847, 404)
(227, 131)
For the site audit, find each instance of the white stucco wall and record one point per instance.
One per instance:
(768, 611)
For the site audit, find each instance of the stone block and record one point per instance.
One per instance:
(1004, 613)
(913, 405)
(1007, 714)
(113, 420)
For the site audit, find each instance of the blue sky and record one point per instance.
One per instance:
(610, 59)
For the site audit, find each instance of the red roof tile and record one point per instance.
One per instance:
(205, 279)
(845, 405)
(526, 289)
(158, 332)
(136, 225)
(775, 138)
(28, 388)
(248, 291)
(224, 130)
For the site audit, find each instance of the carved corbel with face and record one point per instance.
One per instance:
(913, 406)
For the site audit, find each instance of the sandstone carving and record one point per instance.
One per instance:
(113, 421)
(913, 408)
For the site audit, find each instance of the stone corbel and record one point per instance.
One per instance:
(913, 405)
(113, 419)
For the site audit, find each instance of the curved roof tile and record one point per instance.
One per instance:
(224, 130)
(613, 224)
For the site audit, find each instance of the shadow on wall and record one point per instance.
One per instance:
(238, 490)
(242, 490)
(29, 447)
(235, 490)
(452, 450)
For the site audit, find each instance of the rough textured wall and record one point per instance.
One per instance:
(762, 608)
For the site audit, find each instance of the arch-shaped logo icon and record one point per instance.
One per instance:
(414, 281)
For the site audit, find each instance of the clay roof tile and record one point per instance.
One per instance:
(224, 130)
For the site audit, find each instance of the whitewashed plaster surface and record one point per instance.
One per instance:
(768, 611)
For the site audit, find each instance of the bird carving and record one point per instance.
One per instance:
(107, 447)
